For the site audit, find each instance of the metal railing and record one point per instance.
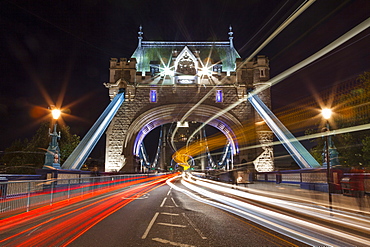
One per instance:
(294, 176)
(22, 196)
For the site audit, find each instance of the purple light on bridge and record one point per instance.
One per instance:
(219, 97)
(153, 96)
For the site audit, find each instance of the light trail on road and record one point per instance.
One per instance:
(336, 43)
(360, 224)
(62, 223)
(246, 205)
(71, 189)
(290, 19)
(180, 158)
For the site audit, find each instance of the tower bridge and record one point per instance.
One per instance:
(180, 82)
(164, 80)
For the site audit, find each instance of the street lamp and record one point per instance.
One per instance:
(52, 155)
(326, 113)
(56, 113)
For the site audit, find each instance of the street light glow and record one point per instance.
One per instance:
(56, 113)
(168, 71)
(205, 71)
(326, 113)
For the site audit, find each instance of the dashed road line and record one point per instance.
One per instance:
(174, 225)
(137, 196)
(174, 202)
(150, 225)
(164, 200)
(170, 214)
(195, 228)
(164, 241)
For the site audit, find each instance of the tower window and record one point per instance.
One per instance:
(217, 68)
(262, 73)
(154, 68)
(219, 97)
(153, 96)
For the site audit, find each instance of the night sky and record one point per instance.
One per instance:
(57, 52)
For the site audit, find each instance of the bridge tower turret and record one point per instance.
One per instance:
(167, 82)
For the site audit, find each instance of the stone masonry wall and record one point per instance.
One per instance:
(117, 154)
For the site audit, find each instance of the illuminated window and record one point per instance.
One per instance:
(219, 97)
(154, 68)
(153, 96)
(217, 68)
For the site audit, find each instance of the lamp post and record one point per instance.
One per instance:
(52, 155)
(326, 113)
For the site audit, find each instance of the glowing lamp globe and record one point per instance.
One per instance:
(56, 113)
(326, 113)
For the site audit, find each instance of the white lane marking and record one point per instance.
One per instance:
(137, 196)
(150, 225)
(174, 202)
(169, 206)
(195, 228)
(174, 225)
(35, 230)
(169, 191)
(164, 241)
(305, 238)
(164, 200)
(170, 214)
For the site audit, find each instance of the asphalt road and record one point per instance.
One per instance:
(184, 211)
(166, 217)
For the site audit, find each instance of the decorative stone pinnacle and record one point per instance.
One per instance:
(140, 31)
(231, 36)
(140, 35)
(231, 31)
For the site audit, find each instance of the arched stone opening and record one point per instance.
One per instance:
(171, 113)
(155, 117)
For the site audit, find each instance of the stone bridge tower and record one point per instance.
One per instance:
(163, 81)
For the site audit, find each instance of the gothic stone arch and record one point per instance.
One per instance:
(139, 116)
(156, 93)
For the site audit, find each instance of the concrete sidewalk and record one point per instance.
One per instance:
(293, 191)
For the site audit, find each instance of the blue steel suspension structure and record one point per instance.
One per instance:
(299, 153)
(83, 150)
(87, 144)
(159, 149)
(144, 157)
(226, 155)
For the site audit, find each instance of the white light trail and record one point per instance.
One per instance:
(278, 132)
(345, 37)
(341, 40)
(279, 29)
(339, 218)
(268, 40)
(188, 113)
(301, 230)
(241, 213)
(318, 135)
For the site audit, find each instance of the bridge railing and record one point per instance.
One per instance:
(316, 179)
(311, 179)
(294, 176)
(22, 196)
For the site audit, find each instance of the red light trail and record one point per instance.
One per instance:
(63, 222)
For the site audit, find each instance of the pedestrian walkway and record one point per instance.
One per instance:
(293, 191)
